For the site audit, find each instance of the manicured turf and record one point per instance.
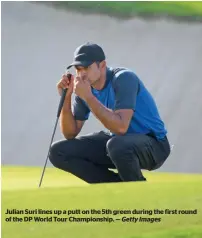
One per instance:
(129, 9)
(62, 191)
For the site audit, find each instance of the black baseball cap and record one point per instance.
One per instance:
(87, 54)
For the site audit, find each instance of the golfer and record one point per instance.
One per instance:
(136, 137)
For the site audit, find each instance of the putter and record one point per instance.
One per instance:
(58, 115)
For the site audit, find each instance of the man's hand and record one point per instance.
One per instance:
(82, 88)
(67, 81)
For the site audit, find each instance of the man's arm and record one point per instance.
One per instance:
(71, 123)
(69, 126)
(117, 121)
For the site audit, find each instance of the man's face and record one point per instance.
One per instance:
(92, 73)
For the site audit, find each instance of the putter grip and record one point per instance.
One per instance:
(61, 101)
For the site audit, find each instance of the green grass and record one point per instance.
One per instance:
(63, 191)
(189, 10)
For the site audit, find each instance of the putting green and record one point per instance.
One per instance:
(61, 191)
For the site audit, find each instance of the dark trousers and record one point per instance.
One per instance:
(90, 157)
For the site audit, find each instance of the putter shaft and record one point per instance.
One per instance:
(58, 115)
(48, 152)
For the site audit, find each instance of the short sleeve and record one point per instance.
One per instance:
(79, 109)
(126, 86)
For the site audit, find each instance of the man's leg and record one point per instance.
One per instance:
(133, 152)
(85, 157)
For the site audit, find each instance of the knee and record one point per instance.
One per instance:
(115, 146)
(55, 153)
